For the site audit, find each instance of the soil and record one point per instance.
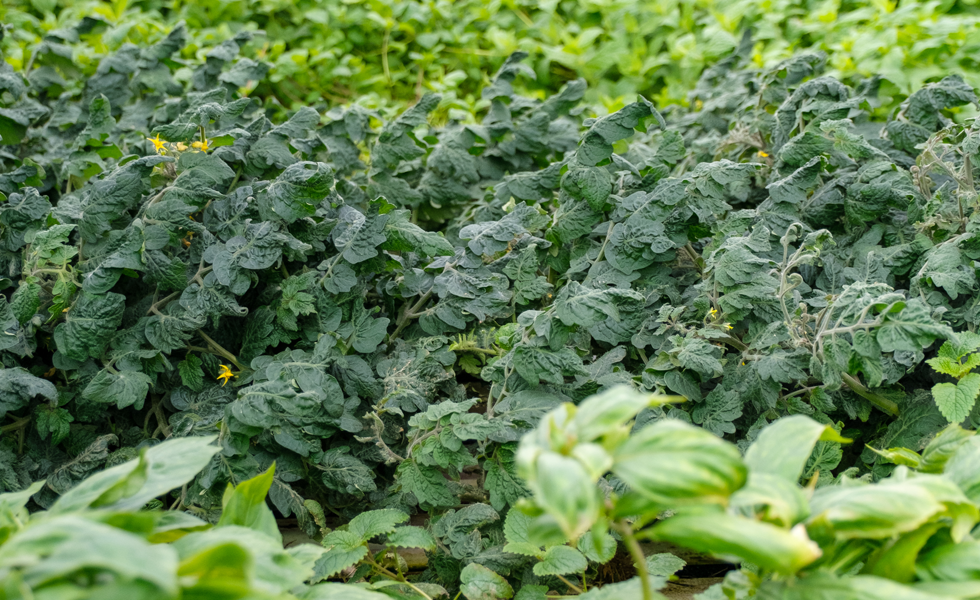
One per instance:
(685, 589)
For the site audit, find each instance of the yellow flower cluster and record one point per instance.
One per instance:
(714, 313)
(160, 146)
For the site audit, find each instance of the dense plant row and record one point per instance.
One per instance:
(383, 309)
(391, 51)
(906, 536)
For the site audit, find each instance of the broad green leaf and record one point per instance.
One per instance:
(962, 468)
(772, 498)
(870, 511)
(956, 401)
(297, 191)
(89, 324)
(597, 547)
(122, 388)
(695, 467)
(426, 483)
(404, 236)
(605, 413)
(950, 562)
(537, 364)
(259, 246)
(67, 544)
(244, 505)
(376, 522)
(344, 473)
(592, 184)
(566, 492)
(25, 301)
(18, 387)
(826, 587)
(579, 305)
(54, 421)
(191, 372)
(167, 466)
(758, 543)
(561, 560)
(943, 447)
(597, 144)
(896, 560)
(480, 583)
(517, 533)
(344, 549)
(783, 447)
(341, 591)
(412, 537)
(664, 564)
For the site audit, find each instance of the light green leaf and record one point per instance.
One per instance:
(344, 549)
(166, 466)
(561, 560)
(783, 447)
(376, 522)
(694, 466)
(245, 506)
(599, 548)
(956, 401)
(412, 537)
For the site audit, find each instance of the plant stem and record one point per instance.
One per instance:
(638, 559)
(396, 577)
(18, 424)
(219, 350)
(161, 418)
(571, 585)
(880, 402)
(695, 258)
(238, 174)
(408, 314)
(384, 57)
(158, 304)
(378, 426)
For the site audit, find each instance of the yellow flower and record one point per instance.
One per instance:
(181, 146)
(712, 312)
(698, 104)
(225, 374)
(202, 146)
(158, 144)
(728, 326)
(763, 154)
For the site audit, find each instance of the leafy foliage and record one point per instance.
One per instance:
(370, 315)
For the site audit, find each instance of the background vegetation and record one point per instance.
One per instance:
(379, 52)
